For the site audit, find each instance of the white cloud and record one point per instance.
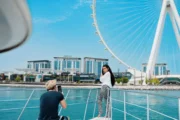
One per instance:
(76, 6)
(64, 17)
(81, 3)
(87, 1)
(50, 21)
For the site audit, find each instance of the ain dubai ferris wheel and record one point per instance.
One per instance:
(140, 31)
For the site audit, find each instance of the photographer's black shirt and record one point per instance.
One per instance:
(49, 103)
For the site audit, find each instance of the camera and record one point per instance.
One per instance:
(59, 88)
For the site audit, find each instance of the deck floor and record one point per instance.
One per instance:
(101, 118)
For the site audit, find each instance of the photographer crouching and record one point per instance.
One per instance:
(49, 102)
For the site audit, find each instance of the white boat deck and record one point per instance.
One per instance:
(101, 118)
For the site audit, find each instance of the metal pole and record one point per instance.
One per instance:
(175, 12)
(179, 108)
(95, 104)
(134, 77)
(111, 105)
(72, 78)
(68, 78)
(118, 72)
(141, 77)
(157, 40)
(59, 76)
(147, 98)
(25, 105)
(87, 105)
(124, 105)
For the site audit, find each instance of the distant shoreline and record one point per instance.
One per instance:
(89, 86)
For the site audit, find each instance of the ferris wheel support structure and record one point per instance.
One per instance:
(168, 6)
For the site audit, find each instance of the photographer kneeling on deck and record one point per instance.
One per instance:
(50, 101)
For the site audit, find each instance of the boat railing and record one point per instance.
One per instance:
(147, 107)
(113, 99)
(59, 112)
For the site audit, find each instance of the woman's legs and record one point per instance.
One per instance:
(107, 99)
(104, 93)
(100, 102)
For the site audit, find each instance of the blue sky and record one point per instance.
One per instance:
(61, 27)
(64, 27)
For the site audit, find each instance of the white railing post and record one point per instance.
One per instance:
(147, 99)
(95, 104)
(87, 105)
(111, 106)
(107, 104)
(25, 105)
(179, 108)
(65, 99)
(124, 105)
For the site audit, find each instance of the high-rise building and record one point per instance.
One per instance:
(39, 65)
(94, 65)
(160, 68)
(67, 64)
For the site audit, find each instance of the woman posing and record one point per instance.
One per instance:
(108, 81)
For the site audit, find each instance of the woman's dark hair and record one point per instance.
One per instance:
(112, 76)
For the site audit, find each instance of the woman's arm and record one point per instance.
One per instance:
(103, 77)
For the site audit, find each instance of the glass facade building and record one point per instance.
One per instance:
(77, 64)
(160, 68)
(38, 65)
(99, 68)
(67, 64)
(89, 67)
(94, 65)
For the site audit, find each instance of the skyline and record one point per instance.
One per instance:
(67, 29)
(55, 65)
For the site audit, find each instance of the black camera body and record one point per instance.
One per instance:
(59, 88)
